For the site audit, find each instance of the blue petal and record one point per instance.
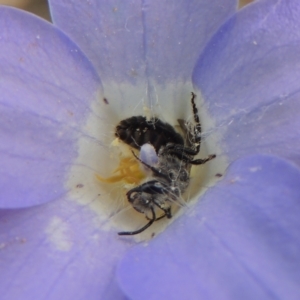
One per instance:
(131, 40)
(58, 251)
(144, 51)
(240, 242)
(248, 76)
(47, 86)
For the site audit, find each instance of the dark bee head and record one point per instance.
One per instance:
(149, 196)
(140, 201)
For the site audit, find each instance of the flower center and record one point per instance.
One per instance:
(123, 192)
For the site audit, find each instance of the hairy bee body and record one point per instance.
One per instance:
(171, 174)
(137, 131)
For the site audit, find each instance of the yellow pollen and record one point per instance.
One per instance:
(128, 171)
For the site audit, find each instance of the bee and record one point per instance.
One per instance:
(170, 176)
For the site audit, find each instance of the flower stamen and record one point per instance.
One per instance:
(128, 171)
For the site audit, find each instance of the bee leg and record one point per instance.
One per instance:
(157, 219)
(167, 213)
(143, 228)
(181, 151)
(197, 128)
(202, 161)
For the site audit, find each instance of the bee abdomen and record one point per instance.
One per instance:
(137, 131)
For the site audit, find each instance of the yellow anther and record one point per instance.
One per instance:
(128, 171)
